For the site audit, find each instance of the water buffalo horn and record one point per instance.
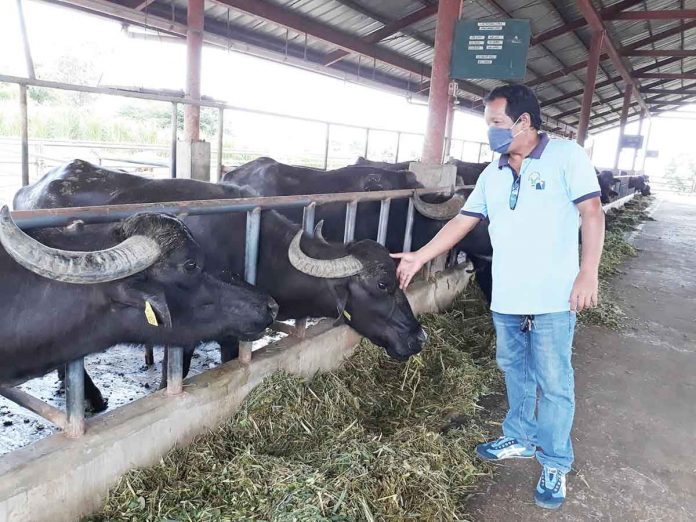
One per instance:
(325, 268)
(318, 234)
(127, 258)
(440, 211)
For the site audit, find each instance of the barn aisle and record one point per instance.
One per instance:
(636, 395)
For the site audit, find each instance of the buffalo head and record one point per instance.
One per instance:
(362, 279)
(157, 262)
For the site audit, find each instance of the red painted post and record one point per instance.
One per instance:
(628, 93)
(447, 16)
(194, 45)
(593, 64)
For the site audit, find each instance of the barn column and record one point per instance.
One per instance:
(628, 93)
(193, 155)
(194, 45)
(430, 171)
(447, 17)
(592, 65)
(640, 131)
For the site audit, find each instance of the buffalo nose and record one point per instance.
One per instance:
(422, 336)
(273, 308)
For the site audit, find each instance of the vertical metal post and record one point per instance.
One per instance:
(175, 370)
(351, 213)
(408, 233)
(24, 133)
(448, 127)
(478, 160)
(308, 215)
(647, 144)
(592, 66)
(447, 16)
(75, 398)
(326, 146)
(367, 142)
(383, 221)
(635, 151)
(628, 93)
(172, 149)
(194, 46)
(25, 41)
(251, 256)
(398, 146)
(221, 130)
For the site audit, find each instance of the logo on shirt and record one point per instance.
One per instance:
(536, 181)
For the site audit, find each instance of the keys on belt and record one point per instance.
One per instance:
(527, 324)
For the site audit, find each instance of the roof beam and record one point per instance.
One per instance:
(655, 101)
(581, 22)
(388, 30)
(681, 53)
(672, 14)
(609, 81)
(667, 91)
(647, 41)
(138, 5)
(646, 88)
(595, 21)
(667, 76)
(304, 24)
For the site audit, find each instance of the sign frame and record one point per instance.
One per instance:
(491, 49)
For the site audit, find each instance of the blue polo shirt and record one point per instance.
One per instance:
(535, 246)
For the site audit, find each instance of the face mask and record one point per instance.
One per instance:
(500, 139)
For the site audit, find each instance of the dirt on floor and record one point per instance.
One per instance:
(635, 393)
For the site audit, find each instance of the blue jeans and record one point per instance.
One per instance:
(539, 382)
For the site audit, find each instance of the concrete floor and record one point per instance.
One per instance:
(635, 421)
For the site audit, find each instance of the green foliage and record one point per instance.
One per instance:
(681, 173)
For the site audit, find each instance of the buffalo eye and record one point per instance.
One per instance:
(382, 286)
(190, 265)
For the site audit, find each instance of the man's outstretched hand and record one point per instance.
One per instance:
(409, 266)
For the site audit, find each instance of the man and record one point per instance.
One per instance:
(533, 197)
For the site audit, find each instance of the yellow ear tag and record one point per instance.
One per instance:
(150, 314)
(347, 315)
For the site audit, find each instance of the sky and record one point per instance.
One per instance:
(252, 82)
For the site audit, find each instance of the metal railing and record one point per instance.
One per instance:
(462, 149)
(72, 421)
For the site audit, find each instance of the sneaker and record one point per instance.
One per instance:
(551, 490)
(504, 448)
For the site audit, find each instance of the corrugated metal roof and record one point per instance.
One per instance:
(359, 18)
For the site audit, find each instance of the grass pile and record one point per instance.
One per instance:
(616, 250)
(373, 440)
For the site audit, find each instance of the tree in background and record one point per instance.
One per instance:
(680, 173)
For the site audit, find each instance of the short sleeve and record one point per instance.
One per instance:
(580, 175)
(475, 204)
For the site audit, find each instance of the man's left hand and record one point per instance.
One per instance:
(585, 292)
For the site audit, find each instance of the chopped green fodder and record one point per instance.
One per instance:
(373, 440)
(616, 251)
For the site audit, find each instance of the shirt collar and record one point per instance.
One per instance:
(504, 159)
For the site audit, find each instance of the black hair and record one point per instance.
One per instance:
(520, 99)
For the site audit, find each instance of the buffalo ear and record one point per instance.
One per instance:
(339, 291)
(137, 293)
